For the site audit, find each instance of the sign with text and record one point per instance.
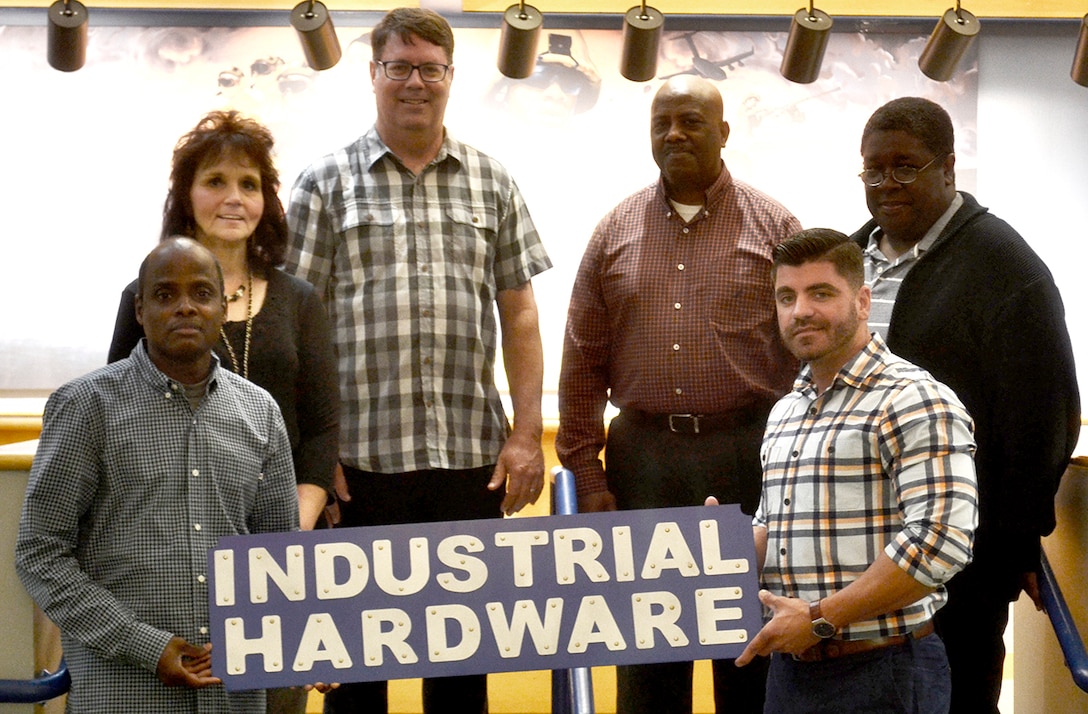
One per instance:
(494, 595)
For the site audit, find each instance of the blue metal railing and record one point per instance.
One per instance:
(1076, 658)
(572, 689)
(34, 691)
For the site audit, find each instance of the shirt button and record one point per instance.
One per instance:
(812, 411)
(679, 391)
(200, 578)
(475, 219)
(676, 305)
(787, 501)
(686, 231)
(196, 472)
(680, 267)
(196, 526)
(781, 551)
(167, 395)
(795, 454)
(676, 348)
(203, 630)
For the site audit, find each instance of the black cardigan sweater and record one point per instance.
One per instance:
(981, 312)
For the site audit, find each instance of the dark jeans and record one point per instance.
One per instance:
(972, 625)
(649, 467)
(416, 497)
(911, 678)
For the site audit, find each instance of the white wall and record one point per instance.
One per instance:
(85, 155)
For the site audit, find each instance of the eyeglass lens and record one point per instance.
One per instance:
(400, 71)
(900, 174)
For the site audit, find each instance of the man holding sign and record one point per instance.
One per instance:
(869, 502)
(142, 466)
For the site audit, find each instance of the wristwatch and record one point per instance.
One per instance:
(820, 627)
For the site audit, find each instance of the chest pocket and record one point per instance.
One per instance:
(471, 242)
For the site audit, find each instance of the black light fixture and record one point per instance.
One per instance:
(954, 33)
(1079, 73)
(642, 28)
(67, 41)
(805, 47)
(313, 24)
(520, 35)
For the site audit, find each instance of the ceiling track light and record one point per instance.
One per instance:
(1079, 73)
(642, 29)
(67, 41)
(313, 24)
(805, 47)
(954, 33)
(520, 35)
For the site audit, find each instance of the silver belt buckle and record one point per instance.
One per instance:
(694, 422)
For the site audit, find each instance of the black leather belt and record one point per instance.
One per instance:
(697, 423)
(833, 649)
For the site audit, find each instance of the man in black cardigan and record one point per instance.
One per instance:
(959, 292)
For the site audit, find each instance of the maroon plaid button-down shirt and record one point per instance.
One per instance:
(672, 317)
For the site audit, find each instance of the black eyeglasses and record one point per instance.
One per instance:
(401, 71)
(901, 174)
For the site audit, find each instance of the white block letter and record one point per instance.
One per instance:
(545, 634)
(642, 606)
(419, 560)
(321, 641)
(325, 557)
(709, 615)
(521, 546)
(668, 549)
(269, 645)
(374, 639)
(438, 646)
(595, 624)
(475, 568)
(263, 567)
(712, 552)
(566, 556)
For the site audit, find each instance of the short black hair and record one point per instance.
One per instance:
(921, 118)
(822, 245)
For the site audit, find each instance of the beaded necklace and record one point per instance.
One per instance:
(244, 371)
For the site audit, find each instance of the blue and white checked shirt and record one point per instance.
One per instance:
(409, 268)
(881, 461)
(128, 490)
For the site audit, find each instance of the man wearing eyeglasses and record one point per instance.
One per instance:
(959, 292)
(414, 238)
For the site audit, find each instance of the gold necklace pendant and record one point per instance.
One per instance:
(247, 289)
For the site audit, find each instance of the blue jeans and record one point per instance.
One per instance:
(912, 678)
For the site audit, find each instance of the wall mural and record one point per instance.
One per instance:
(86, 155)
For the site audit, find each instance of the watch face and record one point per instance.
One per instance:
(823, 629)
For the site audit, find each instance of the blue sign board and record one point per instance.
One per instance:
(471, 597)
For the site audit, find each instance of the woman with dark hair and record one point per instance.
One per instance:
(223, 193)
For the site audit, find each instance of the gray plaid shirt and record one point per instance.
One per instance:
(410, 267)
(129, 489)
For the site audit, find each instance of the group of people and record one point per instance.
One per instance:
(893, 408)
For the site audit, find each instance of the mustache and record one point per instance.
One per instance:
(807, 324)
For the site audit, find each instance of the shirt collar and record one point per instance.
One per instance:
(160, 381)
(854, 373)
(713, 194)
(374, 149)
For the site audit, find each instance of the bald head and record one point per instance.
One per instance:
(695, 88)
(687, 133)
